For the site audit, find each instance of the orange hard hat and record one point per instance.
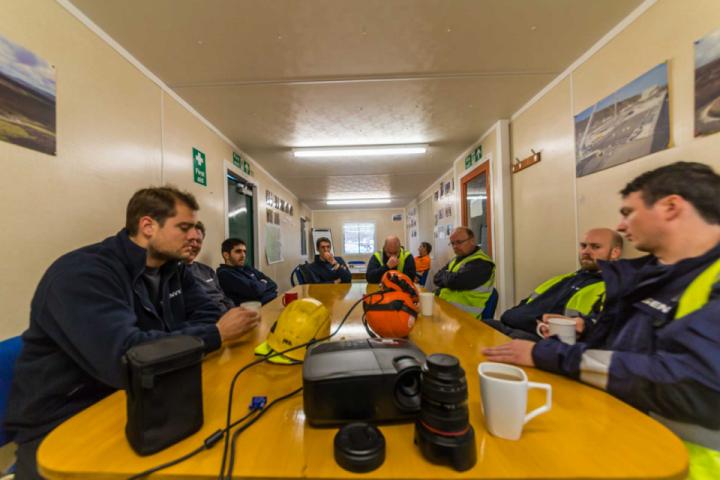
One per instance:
(391, 312)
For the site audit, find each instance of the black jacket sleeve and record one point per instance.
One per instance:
(375, 271)
(343, 271)
(87, 314)
(410, 267)
(471, 275)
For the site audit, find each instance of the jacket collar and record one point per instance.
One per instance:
(133, 256)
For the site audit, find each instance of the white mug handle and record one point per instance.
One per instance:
(548, 400)
(539, 331)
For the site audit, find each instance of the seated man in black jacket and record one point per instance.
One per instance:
(576, 294)
(328, 268)
(392, 257)
(205, 274)
(240, 282)
(96, 302)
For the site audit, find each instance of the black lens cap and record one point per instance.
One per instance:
(359, 447)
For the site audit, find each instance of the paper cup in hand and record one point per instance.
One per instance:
(504, 391)
(253, 306)
(564, 328)
(426, 303)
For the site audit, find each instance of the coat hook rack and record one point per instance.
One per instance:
(526, 162)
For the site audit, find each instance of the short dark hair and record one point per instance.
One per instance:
(157, 203)
(695, 182)
(200, 226)
(321, 240)
(231, 243)
(428, 247)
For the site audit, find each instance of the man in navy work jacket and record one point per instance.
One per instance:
(243, 283)
(96, 302)
(656, 344)
(205, 274)
(328, 268)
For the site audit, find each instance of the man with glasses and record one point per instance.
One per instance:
(467, 281)
(205, 274)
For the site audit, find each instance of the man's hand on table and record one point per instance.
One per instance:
(237, 322)
(518, 352)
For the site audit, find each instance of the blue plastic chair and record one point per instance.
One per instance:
(9, 351)
(490, 306)
(296, 277)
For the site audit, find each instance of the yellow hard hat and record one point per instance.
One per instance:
(301, 321)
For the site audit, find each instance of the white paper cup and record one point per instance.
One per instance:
(504, 391)
(426, 303)
(254, 306)
(562, 327)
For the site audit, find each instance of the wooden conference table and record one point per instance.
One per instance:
(588, 434)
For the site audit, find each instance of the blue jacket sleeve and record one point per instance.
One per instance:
(343, 272)
(375, 271)
(88, 315)
(410, 267)
(678, 379)
(234, 284)
(199, 307)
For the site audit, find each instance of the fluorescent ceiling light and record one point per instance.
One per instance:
(360, 151)
(358, 201)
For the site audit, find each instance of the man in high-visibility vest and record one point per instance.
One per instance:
(656, 344)
(573, 294)
(392, 257)
(467, 281)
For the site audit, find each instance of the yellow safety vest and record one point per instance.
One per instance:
(472, 301)
(404, 254)
(581, 302)
(704, 461)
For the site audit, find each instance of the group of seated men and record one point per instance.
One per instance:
(648, 335)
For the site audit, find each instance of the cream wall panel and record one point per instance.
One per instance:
(381, 217)
(665, 32)
(543, 195)
(108, 132)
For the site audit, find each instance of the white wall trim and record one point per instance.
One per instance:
(624, 23)
(79, 15)
(500, 173)
(357, 209)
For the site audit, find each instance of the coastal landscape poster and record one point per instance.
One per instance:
(27, 98)
(632, 122)
(707, 84)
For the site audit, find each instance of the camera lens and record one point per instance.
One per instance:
(443, 431)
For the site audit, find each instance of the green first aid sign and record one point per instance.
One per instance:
(237, 161)
(199, 171)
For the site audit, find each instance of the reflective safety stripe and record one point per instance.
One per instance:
(581, 302)
(547, 285)
(691, 433)
(469, 308)
(595, 366)
(402, 256)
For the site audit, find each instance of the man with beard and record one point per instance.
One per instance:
(656, 344)
(96, 302)
(205, 274)
(572, 294)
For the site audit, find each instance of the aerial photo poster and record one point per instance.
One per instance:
(632, 122)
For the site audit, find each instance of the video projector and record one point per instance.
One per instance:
(373, 380)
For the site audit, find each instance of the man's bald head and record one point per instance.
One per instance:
(391, 247)
(599, 244)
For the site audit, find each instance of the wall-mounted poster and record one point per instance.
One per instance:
(447, 187)
(440, 214)
(276, 201)
(707, 84)
(448, 211)
(269, 215)
(27, 99)
(397, 217)
(276, 218)
(291, 210)
(630, 123)
(268, 198)
(436, 195)
(273, 244)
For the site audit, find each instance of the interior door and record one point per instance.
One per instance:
(475, 202)
(241, 213)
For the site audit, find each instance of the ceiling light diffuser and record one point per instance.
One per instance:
(358, 201)
(366, 151)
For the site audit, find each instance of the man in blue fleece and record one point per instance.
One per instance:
(96, 302)
(240, 282)
(656, 344)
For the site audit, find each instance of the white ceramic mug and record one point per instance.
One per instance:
(562, 327)
(426, 303)
(504, 391)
